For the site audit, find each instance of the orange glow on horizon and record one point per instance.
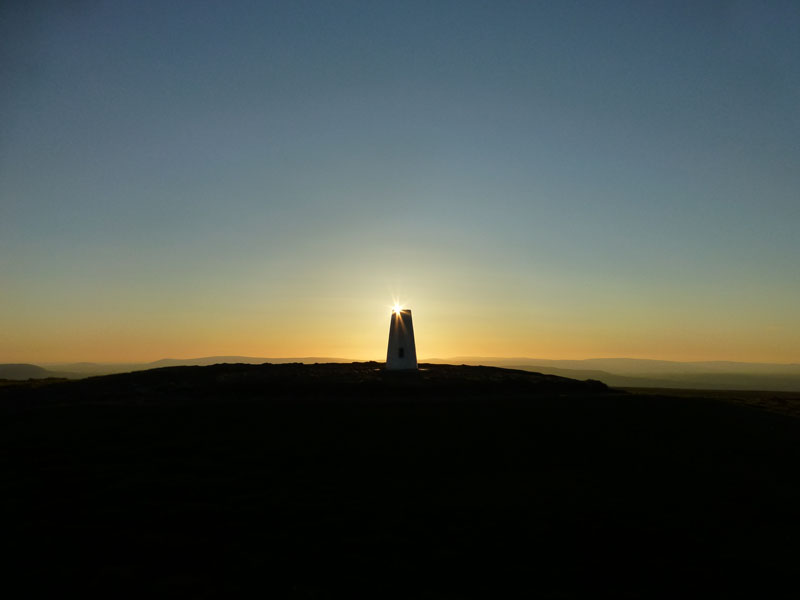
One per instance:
(445, 328)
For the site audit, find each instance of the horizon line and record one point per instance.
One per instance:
(267, 359)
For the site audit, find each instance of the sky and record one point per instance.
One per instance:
(543, 179)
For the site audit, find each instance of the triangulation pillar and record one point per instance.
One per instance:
(402, 352)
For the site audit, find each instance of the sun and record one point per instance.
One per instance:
(397, 308)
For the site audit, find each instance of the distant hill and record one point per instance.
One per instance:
(619, 372)
(23, 371)
(90, 369)
(26, 371)
(604, 376)
(247, 360)
(632, 372)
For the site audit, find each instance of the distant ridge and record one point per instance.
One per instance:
(636, 372)
(618, 372)
(643, 365)
(250, 360)
(90, 369)
(23, 371)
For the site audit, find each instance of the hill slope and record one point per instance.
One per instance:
(345, 480)
(618, 372)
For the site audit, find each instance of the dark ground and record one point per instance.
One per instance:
(318, 481)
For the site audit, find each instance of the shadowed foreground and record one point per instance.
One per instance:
(315, 481)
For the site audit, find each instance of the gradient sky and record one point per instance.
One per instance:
(547, 179)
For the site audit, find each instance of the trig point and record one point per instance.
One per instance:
(402, 352)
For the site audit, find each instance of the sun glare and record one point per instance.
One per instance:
(397, 308)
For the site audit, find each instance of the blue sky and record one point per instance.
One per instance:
(578, 179)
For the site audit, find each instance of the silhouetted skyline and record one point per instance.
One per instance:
(563, 180)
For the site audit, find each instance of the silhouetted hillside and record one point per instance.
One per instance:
(617, 372)
(327, 481)
(295, 381)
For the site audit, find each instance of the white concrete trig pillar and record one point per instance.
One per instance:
(402, 352)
